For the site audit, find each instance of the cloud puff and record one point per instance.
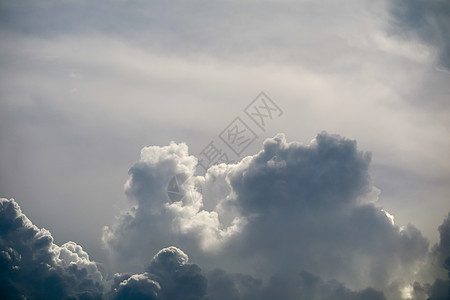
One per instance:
(178, 278)
(137, 286)
(169, 276)
(287, 209)
(443, 248)
(33, 267)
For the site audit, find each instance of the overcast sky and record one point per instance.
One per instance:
(86, 85)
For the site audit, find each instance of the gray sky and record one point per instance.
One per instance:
(85, 85)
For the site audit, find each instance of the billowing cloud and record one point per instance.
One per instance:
(178, 278)
(311, 208)
(137, 286)
(33, 267)
(293, 221)
(168, 276)
(287, 209)
(153, 222)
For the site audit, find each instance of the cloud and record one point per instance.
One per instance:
(426, 20)
(294, 221)
(289, 208)
(153, 222)
(177, 277)
(310, 207)
(33, 267)
(169, 276)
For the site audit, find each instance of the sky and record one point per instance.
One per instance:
(341, 193)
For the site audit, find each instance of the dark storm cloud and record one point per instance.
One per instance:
(33, 267)
(428, 20)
